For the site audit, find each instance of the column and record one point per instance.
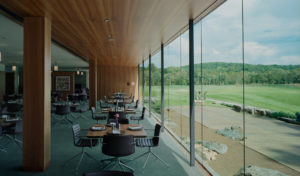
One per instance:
(37, 101)
(93, 82)
(192, 110)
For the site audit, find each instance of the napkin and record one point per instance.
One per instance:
(95, 128)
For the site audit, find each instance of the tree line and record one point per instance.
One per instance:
(220, 73)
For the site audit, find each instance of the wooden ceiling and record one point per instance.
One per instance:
(138, 26)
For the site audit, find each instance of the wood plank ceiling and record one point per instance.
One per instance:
(138, 27)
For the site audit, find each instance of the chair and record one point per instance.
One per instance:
(14, 108)
(83, 142)
(150, 142)
(2, 149)
(135, 106)
(138, 117)
(97, 116)
(13, 131)
(108, 173)
(63, 111)
(111, 114)
(120, 120)
(118, 146)
(82, 108)
(82, 97)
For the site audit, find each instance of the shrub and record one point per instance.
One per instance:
(282, 114)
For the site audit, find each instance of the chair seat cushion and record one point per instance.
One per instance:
(144, 143)
(87, 142)
(100, 117)
(135, 118)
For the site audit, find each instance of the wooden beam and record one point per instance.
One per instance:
(93, 82)
(37, 81)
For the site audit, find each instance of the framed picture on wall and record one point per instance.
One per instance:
(63, 83)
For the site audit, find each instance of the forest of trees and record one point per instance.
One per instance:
(219, 73)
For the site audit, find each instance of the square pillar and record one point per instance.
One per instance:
(93, 82)
(37, 101)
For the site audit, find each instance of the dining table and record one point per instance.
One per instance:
(127, 110)
(125, 129)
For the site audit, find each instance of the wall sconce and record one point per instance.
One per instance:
(55, 68)
(82, 73)
(14, 68)
(78, 72)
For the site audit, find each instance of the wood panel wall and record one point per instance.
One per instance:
(115, 79)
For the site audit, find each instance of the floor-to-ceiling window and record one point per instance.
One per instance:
(146, 83)
(272, 91)
(156, 84)
(176, 69)
(140, 73)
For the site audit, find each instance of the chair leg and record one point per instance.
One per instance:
(159, 159)
(123, 164)
(80, 160)
(146, 160)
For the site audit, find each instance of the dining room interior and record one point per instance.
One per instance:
(145, 87)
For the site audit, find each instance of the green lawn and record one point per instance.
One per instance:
(284, 98)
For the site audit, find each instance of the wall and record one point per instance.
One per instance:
(115, 79)
(54, 74)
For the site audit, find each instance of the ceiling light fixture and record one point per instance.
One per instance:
(14, 68)
(107, 20)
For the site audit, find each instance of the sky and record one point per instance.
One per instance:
(271, 30)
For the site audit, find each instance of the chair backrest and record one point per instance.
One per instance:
(121, 120)
(93, 110)
(19, 127)
(143, 112)
(82, 97)
(114, 145)
(13, 107)
(122, 115)
(62, 109)
(137, 104)
(108, 173)
(156, 134)
(84, 107)
(0, 130)
(76, 133)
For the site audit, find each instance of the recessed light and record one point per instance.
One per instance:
(107, 20)
(111, 39)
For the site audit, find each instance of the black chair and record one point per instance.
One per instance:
(138, 117)
(120, 120)
(2, 149)
(63, 111)
(82, 108)
(150, 142)
(111, 114)
(83, 142)
(14, 130)
(82, 97)
(14, 108)
(118, 146)
(108, 173)
(135, 106)
(97, 116)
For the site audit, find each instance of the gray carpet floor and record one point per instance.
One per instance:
(62, 149)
